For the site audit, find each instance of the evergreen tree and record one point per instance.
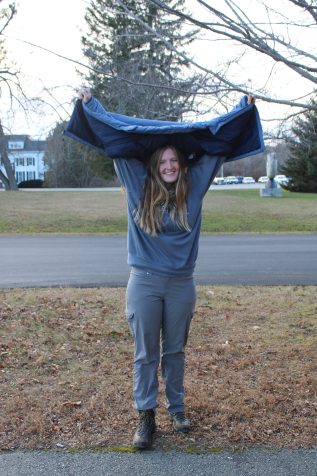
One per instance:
(134, 72)
(301, 166)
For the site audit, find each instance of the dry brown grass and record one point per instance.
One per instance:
(66, 369)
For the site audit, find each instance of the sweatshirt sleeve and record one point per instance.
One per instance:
(131, 173)
(203, 172)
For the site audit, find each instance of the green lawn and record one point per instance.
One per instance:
(236, 211)
(244, 211)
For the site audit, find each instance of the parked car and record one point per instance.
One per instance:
(248, 180)
(218, 181)
(231, 179)
(263, 179)
(281, 179)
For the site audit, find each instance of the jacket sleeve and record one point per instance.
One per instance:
(95, 106)
(132, 172)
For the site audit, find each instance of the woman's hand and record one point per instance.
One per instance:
(251, 99)
(84, 94)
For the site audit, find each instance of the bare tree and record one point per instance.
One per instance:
(8, 75)
(280, 33)
(8, 180)
(71, 164)
(8, 80)
(255, 46)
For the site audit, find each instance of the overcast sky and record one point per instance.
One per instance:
(54, 25)
(50, 24)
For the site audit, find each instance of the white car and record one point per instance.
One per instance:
(218, 181)
(281, 179)
(263, 179)
(230, 180)
(248, 180)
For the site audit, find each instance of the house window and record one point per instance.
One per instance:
(20, 176)
(30, 175)
(19, 161)
(15, 145)
(30, 161)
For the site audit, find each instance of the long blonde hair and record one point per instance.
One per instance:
(159, 196)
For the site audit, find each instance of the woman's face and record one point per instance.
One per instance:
(169, 166)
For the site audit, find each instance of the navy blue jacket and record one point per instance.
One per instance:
(234, 135)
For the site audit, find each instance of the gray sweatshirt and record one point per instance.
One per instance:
(173, 251)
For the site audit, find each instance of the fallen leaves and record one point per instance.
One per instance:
(72, 404)
(66, 369)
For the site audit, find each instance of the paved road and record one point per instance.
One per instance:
(301, 462)
(86, 261)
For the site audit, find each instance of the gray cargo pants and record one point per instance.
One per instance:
(159, 308)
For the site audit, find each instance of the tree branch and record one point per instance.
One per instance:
(222, 79)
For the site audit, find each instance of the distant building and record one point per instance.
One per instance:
(26, 157)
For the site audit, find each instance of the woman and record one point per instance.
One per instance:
(164, 203)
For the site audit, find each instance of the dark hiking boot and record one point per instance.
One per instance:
(180, 422)
(143, 437)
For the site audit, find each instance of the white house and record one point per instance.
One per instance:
(26, 156)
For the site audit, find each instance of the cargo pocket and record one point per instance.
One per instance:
(189, 320)
(130, 319)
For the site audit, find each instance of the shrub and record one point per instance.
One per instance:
(37, 183)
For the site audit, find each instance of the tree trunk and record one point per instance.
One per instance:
(8, 180)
